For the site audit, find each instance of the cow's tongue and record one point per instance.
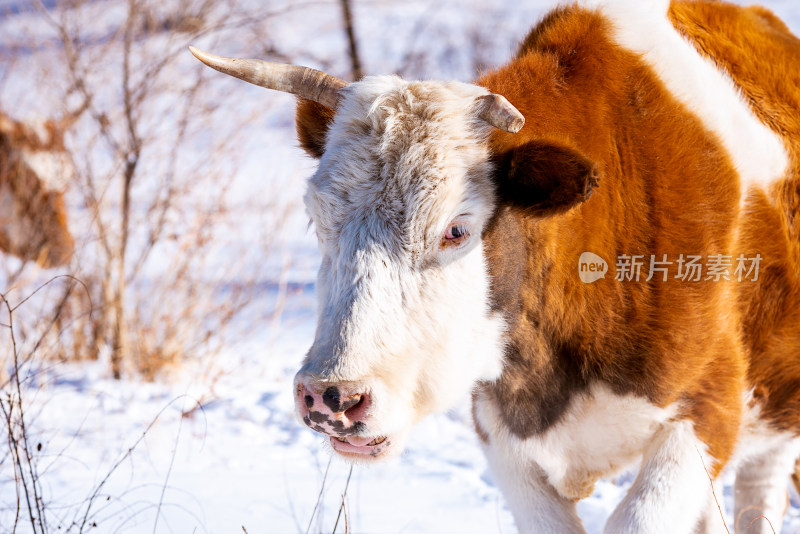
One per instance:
(363, 447)
(357, 441)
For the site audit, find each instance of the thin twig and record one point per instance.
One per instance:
(714, 493)
(764, 518)
(342, 507)
(35, 510)
(319, 497)
(96, 491)
(169, 470)
(45, 284)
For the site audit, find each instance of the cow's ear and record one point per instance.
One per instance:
(313, 121)
(544, 178)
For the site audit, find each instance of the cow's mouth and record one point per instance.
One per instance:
(354, 445)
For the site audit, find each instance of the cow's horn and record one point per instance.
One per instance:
(301, 81)
(499, 112)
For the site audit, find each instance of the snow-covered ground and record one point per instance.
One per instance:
(216, 448)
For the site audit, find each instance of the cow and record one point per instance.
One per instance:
(33, 172)
(468, 236)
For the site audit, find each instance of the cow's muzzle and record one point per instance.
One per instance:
(341, 412)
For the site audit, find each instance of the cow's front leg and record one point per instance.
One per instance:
(537, 507)
(672, 490)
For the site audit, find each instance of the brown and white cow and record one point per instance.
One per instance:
(33, 172)
(451, 241)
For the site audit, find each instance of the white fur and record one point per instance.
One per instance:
(601, 433)
(399, 316)
(763, 460)
(712, 520)
(537, 506)
(672, 491)
(642, 26)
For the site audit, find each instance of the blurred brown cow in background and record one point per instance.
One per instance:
(33, 223)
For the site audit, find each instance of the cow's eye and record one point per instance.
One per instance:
(456, 234)
(456, 231)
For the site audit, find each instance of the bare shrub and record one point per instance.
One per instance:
(156, 215)
(24, 459)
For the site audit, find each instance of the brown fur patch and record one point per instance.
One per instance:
(33, 224)
(665, 341)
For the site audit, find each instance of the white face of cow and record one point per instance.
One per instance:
(399, 203)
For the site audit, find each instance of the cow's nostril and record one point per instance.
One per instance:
(350, 402)
(309, 400)
(352, 405)
(332, 399)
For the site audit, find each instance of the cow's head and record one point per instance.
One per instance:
(404, 192)
(33, 173)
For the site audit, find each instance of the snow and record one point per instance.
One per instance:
(216, 447)
(241, 458)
